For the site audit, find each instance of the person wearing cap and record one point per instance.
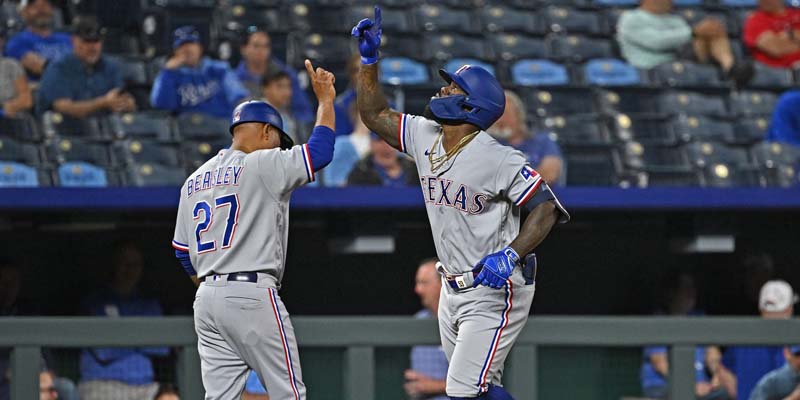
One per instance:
(386, 167)
(85, 82)
(257, 60)
(750, 363)
(782, 383)
(15, 93)
(38, 44)
(191, 82)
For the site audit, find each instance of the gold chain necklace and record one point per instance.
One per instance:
(440, 161)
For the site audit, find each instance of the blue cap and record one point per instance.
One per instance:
(185, 34)
(794, 349)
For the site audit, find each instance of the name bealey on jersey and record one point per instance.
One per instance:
(442, 192)
(214, 178)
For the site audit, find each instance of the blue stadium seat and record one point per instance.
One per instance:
(558, 101)
(195, 153)
(686, 74)
(65, 150)
(497, 18)
(57, 124)
(454, 64)
(446, 46)
(402, 71)
(578, 48)
(19, 151)
(629, 100)
(566, 20)
(539, 73)
(579, 130)
(772, 154)
(155, 175)
(432, 17)
(13, 174)
(610, 72)
(683, 102)
(740, 3)
(393, 19)
(152, 125)
(771, 78)
(194, 126)
(509, 46)
(751, 130)
(752, 103)
(132, 152)
(81, 174)
(403, 45)
(695, 127)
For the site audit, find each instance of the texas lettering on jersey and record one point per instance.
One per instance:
(443, 192)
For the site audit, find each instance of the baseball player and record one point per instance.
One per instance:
(230, 237)
(474, 190)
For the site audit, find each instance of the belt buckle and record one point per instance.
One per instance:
(459, 279)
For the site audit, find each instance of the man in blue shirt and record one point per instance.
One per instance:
(426, 379)
(385, 167)
(257, 60)
(190, 82)
(541, 151)
(37, 45)
(84, 82)
(120, 373)
(785, 125)
(782, 383)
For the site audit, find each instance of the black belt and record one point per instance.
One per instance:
(251, 277)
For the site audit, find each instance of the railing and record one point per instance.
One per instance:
(361, 335)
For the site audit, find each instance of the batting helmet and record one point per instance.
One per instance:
(260, 111)
(483, 104)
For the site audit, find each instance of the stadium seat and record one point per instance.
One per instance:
(466, 4)
(239, 17)
(258, 3)
(82, 174)
(772, 154)
(133, 152)
(645, 129)
(592, 166)
(64, 150)
(509, 46)
(615, 3)
(195, 153)
(660, 159)
(537, 4)
(310, 17)
(695, 127)
(750, 130)
(393, 20)
(579, 130)
(133, 70)
(57, 124)
(121, 42)
(682, 102)
(558, 101)
(14, 174)
(610, 72)
(704, 154)
(322, 49)
(402, 45)
(771, 78)
(402, 71)
(497, 18)
(152, 125)
(195, 126)
(746, 103)
(686, 74)
(22, 127)
(431, 17)
(117, 15)
(725, 175)
(633, 100)
(158, 23)
(155, 175)
(446, 46)
(610, 16)
(740, 3)
(539, 73)
(10, 18)
(571, 21)
(19, 151)
(454, 64)
(578, 48)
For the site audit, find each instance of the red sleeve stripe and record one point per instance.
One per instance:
(308, 164)
(528, 193)
(179, 246)
(401, 133)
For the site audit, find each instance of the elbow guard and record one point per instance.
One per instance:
(320, 146)
(186, 262)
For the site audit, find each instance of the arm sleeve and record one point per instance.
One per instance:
(51, 88)
(414, 133)
(180, 240)
(524, 187)
(16, 48)
(284, 170)
(15, 69)
(763, 389)
(320, 147)
(753, 28)
(634, 29)
(164, 94)
(785, 124)
(234, 90)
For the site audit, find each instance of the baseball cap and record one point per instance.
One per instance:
(776, 296)
(185, 34)
(794, 349)
(87, 28)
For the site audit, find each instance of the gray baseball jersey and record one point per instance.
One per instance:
(234, 217)
(473, 203)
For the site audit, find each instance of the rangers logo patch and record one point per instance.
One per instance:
(237, 115)
(528, 173)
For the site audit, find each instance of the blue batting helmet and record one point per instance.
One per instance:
(260, 111)
(483, 104)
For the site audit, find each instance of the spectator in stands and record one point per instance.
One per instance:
(751, 363)
(253, 389)
(650, 35)
(47, 388)
(276, 90)
(167, 392)
(85, 82)
(712, 379)
(15, 94)
(348, 151)
(257, 59)
(541, 151)
(386, 167)
(37, 45)
(426, 379)
(782, 383)
(345, 124)
(190, 82)
(120, 373)
(785, 124)
(772, 34)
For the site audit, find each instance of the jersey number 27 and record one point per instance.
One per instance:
(203, 207)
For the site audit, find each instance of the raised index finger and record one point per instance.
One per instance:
(309, 68)
(378, 17)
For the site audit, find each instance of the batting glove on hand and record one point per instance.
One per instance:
(368, 33)
(496, 268)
